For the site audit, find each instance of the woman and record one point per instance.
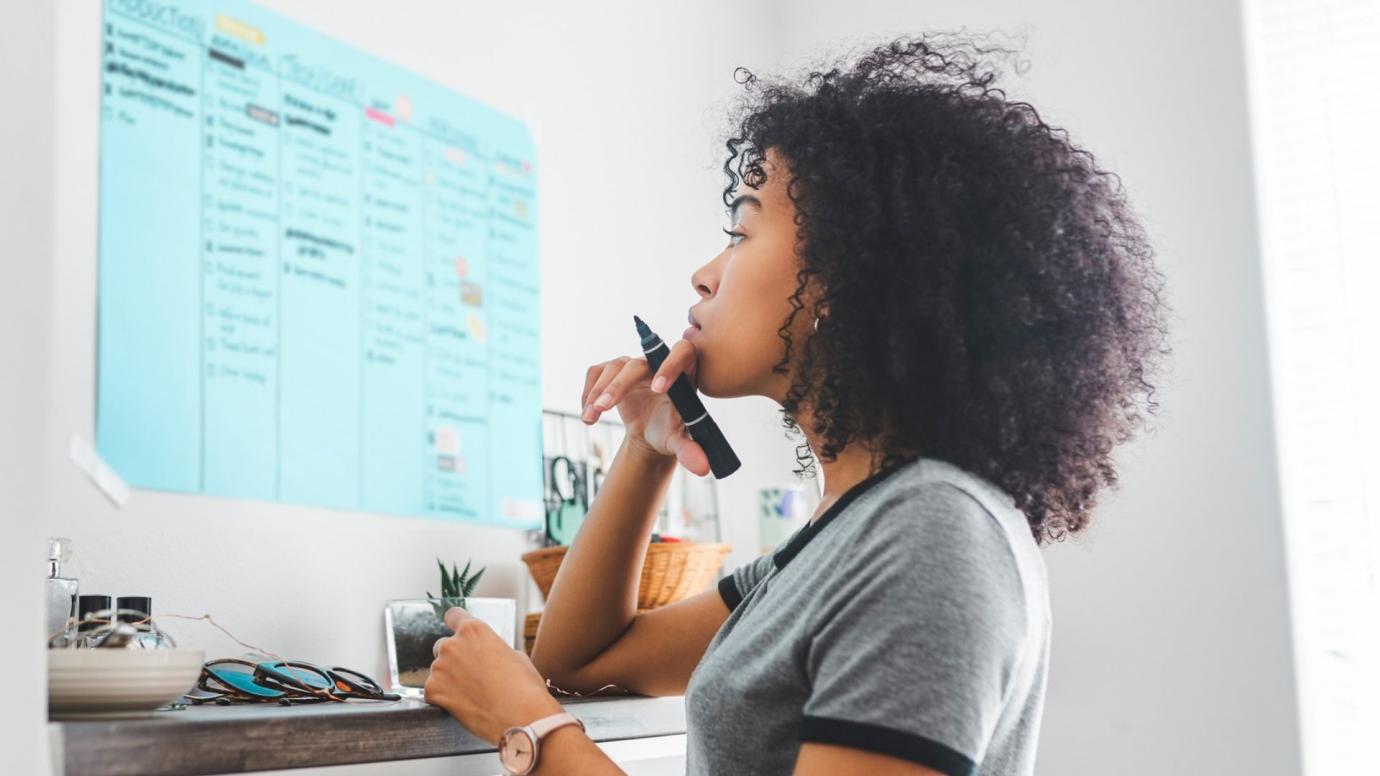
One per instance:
(981, 318)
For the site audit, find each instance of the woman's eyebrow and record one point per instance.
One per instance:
(745, 199)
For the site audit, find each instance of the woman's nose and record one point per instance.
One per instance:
(704, 280)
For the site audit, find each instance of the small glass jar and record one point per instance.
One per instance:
(137, 611)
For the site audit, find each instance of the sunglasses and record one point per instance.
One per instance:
(287, 682)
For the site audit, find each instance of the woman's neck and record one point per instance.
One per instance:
(852, 465)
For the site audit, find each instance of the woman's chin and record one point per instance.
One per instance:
(712, 379)
(718, 378)
(707, 385)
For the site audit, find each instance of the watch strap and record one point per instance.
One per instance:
(538, 730)
(547, 724)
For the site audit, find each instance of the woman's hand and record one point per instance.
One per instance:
(652, 422)
(483, 682)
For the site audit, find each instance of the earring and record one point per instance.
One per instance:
(816, 324)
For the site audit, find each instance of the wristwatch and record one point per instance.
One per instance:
(520, 747)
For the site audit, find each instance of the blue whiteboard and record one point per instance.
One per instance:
(318, 273)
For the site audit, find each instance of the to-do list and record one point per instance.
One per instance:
(318, 273)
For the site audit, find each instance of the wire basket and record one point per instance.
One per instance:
(689, 511)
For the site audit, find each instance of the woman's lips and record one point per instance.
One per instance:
(694, 325)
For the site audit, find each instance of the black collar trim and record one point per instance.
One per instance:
(797, 542)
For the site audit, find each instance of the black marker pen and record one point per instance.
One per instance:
(722, 461)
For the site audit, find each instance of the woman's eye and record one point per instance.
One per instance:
(732, 234)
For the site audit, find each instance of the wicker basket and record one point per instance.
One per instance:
(670, 572)
(529, 630)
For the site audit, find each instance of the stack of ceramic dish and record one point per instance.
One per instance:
(118, 682)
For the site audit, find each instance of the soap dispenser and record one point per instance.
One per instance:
(62, 593)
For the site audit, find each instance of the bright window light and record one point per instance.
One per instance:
(1314, 68)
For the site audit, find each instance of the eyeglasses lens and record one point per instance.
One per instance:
(235, 677)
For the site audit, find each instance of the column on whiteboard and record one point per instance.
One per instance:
(148, 417)
(456, 216)
(515, 322)
(393, 416)
(320, 260)
(241, 217)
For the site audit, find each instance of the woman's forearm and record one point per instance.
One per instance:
(594, 596)
(567, 751)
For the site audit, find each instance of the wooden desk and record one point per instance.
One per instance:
(237, 739)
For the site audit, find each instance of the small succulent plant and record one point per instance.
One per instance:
(456, 586)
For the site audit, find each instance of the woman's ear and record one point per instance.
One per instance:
(821, 306)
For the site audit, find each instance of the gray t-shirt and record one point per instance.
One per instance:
(912, 618)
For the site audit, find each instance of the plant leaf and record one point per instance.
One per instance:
(469, 586)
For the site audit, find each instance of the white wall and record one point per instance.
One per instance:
(26, 205)
(1171, 649)
(621, 98)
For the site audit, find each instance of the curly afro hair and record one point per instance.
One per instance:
(988, 296)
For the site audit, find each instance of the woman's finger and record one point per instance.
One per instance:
(633, 371)
(456, 615)
(689, 452)
(591, 375)
(606, 375)
(681, 360)
(606, 372)
(436, 646)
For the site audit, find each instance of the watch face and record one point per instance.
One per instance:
(515, 750)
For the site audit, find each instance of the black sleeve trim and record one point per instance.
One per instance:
(729, 590)
(897, 743)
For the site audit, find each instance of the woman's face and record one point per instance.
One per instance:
(745, 292)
